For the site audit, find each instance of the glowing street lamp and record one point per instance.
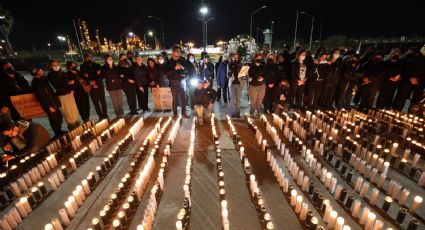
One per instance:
(203, 10)
(61, 39)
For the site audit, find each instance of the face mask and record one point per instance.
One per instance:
(192, 60)
(323, 62)
(336, 56)
(161, 61)
(270, 60)
(395, 57)
(56, 68)
(10, 70)
(378, 59)
(110, 62)
(234, 60)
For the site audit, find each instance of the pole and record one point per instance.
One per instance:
(206, 34)
(78, 39)
(296, 29)
(311, 32)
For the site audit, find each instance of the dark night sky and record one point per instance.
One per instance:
(39, 22)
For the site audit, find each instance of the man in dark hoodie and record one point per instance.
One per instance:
(92, 74)
(48, 100)
(142, 83)
(351, 75)
(372, 80)
(176, 72)
(65, 93)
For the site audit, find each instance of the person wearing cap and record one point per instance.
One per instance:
(92, 74)
(257, 89)
(176, 73)
(374, 73)
(49, 101)
(11, 84)
(65, 93)
(204, 97)
(223, 80)
(392, 80)
(315, 83)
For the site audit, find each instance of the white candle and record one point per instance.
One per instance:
(332, 219)
(56, 224)
(293, 197)
(64, 217)
(371, 217)
(303, 213)
(339, 223)
(26, 204)
(179, 225)
(416, 202)
(328, 211)
(298, 204)
(21, 209)
(385, 168)
(70, 210)
(4, 225)
(73, 164)
(48, 226)
(404, 194)
(363, 217)
(86, 187)
(356, 208)
(76, 196)
(374, 196)
(378, 225)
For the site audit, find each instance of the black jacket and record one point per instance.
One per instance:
(255, 72)
(279, 92)
(162, 76)
(415, 67)
(140, 75)
(334, 74)
(77, 87)
(12, 87)
(351, 74)
(295, 72)
(271, 73)
(375, 72)
(175, 76)
(281, 72)
(393, 69)
(233, 70)
(204, 96)
(319, 73)
(59, 81)
(112, 78)
(206, 71)
(45, 94)
(91, 70)
(125, 72)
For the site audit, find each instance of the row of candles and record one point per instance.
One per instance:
(123, 203)
(86, 187)
(39, 171)
(364, 162)
(255, 193)
(220, 177)
(360, 187)
(183, 215)
(158, 188)
(329, 215)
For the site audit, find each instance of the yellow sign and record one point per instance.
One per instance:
(27, 106)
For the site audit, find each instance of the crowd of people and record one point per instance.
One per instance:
(275, 81)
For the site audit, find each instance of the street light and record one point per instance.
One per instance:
(78, 38)
(252, 14)
(61, 39)
(312, 26)
(162, 28)
(204, 10)
(150, 34)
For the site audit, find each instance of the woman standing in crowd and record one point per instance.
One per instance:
(192, 66)
(65, 93)
(81, 90)
(298, 78)
(11, 84)
(332, 80)
(392, 80)
(374, 72)
(162, 77)
(91, 72)
(271, 81)
(257, 88)
(223, 80)
(315, 84)
(113, 84)
(142, 83)
(206, 70)
(49, 101)
(351, 74)
(152, 71)
(235, 85)
(127, 82)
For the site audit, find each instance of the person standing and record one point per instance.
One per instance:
(374, 71)
(223, 80)
(351, 75)
(152, 72)
(271, 82)
(127, 82)
(414, 82)
(162, 77)
(142, 83)
(91, 72)
(317, 80)
(11, 84)
(206, 70)
(332, 80)
(65, 93)
(392, 80)
(175, 71)
(257, 88)
(81, 90)
(109, 72)
(49, 101)
(235, 85)
(298, 78)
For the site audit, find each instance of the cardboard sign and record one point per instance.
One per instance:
(27, 106)
(162, 98)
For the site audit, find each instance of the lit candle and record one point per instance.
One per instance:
(371, 217)
(303, 212)
(356, 208)
(64, 217)
(374, 196)
(73, 164)
(298, 204)
(293, 197)
(416, 202)
(339, 223)
(363, 217)
(70, 210)
(332, 219)
(378, 225)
